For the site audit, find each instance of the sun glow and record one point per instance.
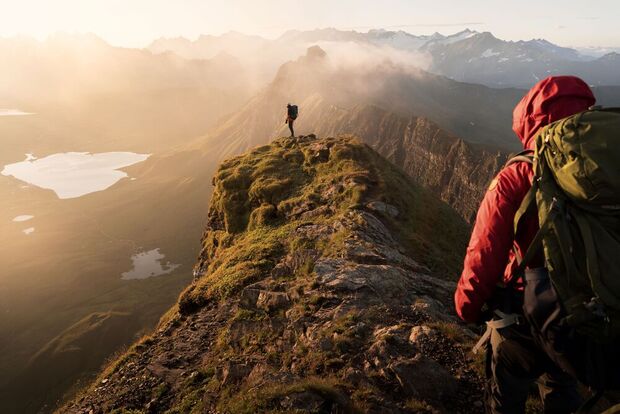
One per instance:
(136, 23)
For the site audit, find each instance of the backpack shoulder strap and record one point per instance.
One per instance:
(524, 156)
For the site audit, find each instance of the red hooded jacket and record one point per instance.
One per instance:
(490, 258)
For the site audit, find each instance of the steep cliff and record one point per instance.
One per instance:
(323, 285)
(457, 171)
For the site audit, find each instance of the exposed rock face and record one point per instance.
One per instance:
(456, 170)
(311, 294)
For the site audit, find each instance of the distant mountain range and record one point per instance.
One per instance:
(468, 56)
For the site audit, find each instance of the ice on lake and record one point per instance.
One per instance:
(73, 174)
(148, 264)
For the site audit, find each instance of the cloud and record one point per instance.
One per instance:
(347, 55)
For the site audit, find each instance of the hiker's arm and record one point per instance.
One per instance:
(489, 246)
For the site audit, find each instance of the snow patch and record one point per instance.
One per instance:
(489, 53)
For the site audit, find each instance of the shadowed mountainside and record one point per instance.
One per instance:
(321, 285)
(473, 112)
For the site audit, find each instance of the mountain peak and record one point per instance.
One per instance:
(315, 52)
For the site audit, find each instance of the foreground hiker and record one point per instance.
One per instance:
(492, 267)
(291, 115)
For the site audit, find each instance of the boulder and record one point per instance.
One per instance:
(383, 208)
(421, 377)
(233, 372)
(272, 301)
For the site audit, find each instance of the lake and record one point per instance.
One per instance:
(24, 217)
(13, 112)
(73, 174)
(148, 264)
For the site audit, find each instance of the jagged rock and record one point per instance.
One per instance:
(332, 190)
(314, 231)
(317, 212)
(249, 297)
(385, 282)
(433, 308)
(294, 262)
(272, 301)
(233, 372)
(319, 153)
(356, 179)
(383, 208)
(422, 333)
(389, 343)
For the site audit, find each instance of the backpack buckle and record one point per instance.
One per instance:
(596, 308)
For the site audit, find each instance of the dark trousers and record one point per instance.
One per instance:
(290, 126)
(514, 363)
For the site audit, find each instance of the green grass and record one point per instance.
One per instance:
(257, 205)
(256, 193)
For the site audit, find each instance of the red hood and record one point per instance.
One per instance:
(551, 99)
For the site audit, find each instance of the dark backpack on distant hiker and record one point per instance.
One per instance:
(293, 111)
(573, 304)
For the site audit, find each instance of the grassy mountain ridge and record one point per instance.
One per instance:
(322, 284)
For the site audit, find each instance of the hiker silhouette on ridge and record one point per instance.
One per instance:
(291, 115)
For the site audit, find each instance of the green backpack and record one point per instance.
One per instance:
(573, 304)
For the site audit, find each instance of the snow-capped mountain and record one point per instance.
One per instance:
(467, 56)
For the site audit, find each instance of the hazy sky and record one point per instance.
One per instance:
(136, 22)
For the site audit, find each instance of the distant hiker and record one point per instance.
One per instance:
(493, 267)
(291, 115)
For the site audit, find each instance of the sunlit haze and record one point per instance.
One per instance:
(247, 205)
(136, 23)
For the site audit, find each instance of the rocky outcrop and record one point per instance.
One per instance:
(314, 292)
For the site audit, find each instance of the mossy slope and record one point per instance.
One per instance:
(323, 285)
(262, 196)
